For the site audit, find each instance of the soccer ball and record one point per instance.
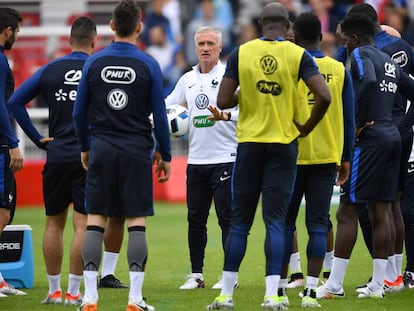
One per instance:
(178, 119)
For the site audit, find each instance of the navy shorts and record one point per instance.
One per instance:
(118, 183)
(266, 169)
(7, 185)
(63, 183)
(374, 174)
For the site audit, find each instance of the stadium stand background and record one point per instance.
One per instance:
(45, 29)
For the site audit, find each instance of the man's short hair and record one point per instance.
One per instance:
(366, 9)
(308, 27)
(202, 29)
(359, 24)
(9, 18)
(83, 31)
(126, 17)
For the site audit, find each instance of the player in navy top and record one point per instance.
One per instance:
(10, 155)
(376, 158)
(402, 54)
(119, 89)
(63, 174)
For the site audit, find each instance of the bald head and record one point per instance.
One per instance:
(274, 12)
(274, 20)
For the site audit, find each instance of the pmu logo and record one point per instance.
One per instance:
(268, 64)
(118, 74)
(269, 87)
(400, 58)
(72, 77)
(117, 99)
(202, 101)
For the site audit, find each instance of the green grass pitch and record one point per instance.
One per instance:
(168, 264)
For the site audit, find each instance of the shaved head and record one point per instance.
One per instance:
(274, 12)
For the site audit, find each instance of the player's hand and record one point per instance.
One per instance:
(302, 129)
(156, 158)
(217, 114)
(85, 159)
(16, 159)
(343, 173)
(163, 171)
(44, 140)
(358, 130)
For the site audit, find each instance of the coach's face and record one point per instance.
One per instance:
(208, 47)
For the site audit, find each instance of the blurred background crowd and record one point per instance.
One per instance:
(170, 25)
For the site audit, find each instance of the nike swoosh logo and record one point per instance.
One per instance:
(410, 170)
(223, 178)
(191, 85)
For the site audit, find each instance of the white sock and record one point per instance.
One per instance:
(327, 261)
(91, 286)
(398, 263)
(311, 282)
(378, 273)
(135, 290)
(54, 283)
(272, 284)
(229, 279)
(390, 269)
(74, 284)
(109, 263)
(294, 263)
(337, 276)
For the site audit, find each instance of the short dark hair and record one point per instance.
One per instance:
(359, 24)
(126, 16)
(308, 27)
(83, 30)
(9, 18)
(366, 9)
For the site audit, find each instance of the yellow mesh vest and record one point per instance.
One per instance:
(268, 99)
(325, 143)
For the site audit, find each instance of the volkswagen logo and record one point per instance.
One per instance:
(202, 101)
(268, 64)
(117, 99)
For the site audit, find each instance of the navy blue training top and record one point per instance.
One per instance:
(56, 82)
(402, 54)
(376, 80)
(119, 89)
(8, 138)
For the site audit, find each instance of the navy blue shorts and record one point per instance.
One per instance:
(263, 169)
(374, 174)
(7, 185)
(118, 183)
(315, 182)
(63, 183)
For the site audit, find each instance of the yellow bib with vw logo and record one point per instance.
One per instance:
(268, 99)
(325, 143)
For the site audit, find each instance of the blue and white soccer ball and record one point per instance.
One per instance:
(178, 120)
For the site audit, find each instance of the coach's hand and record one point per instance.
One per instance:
(85, 159)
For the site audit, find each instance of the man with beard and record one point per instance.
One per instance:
(10, 155)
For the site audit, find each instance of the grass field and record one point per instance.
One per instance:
(168, 264)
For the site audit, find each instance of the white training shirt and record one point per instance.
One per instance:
(210, 142)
